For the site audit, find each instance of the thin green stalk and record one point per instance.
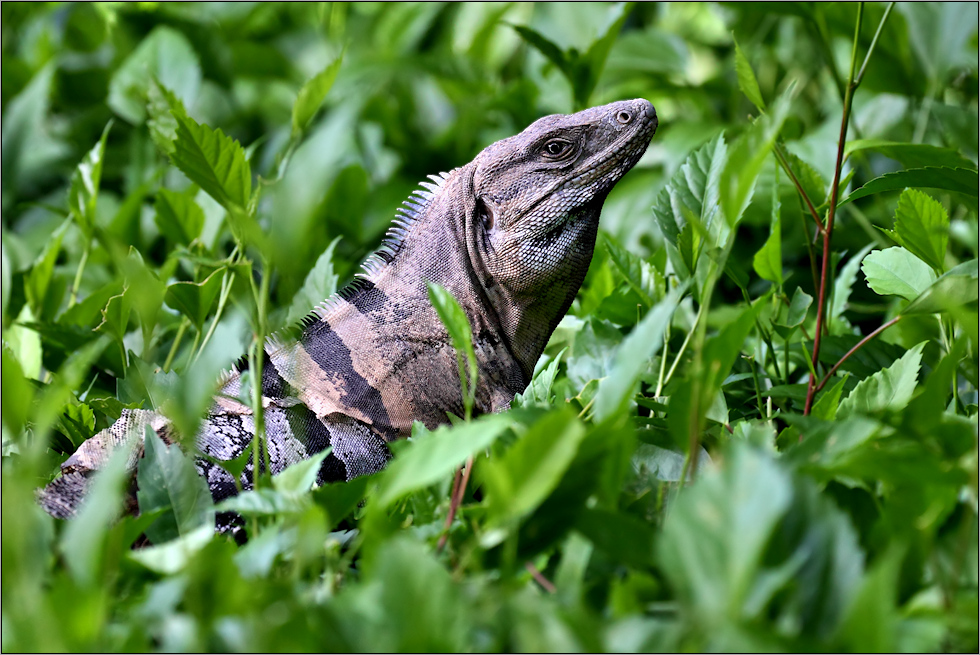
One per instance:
(226, 283)
(687, 339)
(173, 349)
(77, 282)
(663, 360)
(256, 354)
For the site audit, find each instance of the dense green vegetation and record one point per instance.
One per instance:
(698, 463)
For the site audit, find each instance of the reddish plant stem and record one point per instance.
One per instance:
(545, 583)
(853, 350)
(460, 480)
(828, 229)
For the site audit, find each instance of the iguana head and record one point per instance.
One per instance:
(535, 212)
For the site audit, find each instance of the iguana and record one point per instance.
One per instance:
(510, 235)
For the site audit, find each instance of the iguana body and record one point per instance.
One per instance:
(510, 235)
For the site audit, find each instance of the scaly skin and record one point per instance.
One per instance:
(510, 235)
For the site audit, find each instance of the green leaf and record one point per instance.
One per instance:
(37, 282)
(812, 182)
(692, 192)
(922, 226)
(214, 162)
(435, 457)
(178, 216)
(625, 539)
(911, 155)
(953, 289)
(736, 184)
(162, 108)
(83, 191)
(173, 556)
(297, 479)
(768, 261)
(889, 389)
(458, 325)
(164, 55)
(82, 542)
(958, 180)
(320, 284)
(633, 356)
(746, 79)
(843, 285)
(341, 498)
(538, 392)
(829, 401)
(530, 469)
(795, 314)
(642, 276)
(312, 93)
(264, 502)
(897, 272)
(598, 51)
(168, 478)
(195, 299)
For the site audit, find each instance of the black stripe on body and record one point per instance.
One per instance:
(368, 298)
(326, 348)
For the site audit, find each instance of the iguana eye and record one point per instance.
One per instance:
(556, 148)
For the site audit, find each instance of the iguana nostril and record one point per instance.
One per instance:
(624, 117)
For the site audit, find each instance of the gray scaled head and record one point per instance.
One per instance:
(537, 199)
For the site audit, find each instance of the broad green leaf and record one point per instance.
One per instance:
(173, 556)
(829, 401)
(812, 182)
(162, 108)
(692, 192)
(178, 216)
(958, 180)
(922, 227)
(168, 478)
(889, 389)
(624, 538)
(83, 191)
(598, 52)
(25, 344)
(341, 498)
(214, 162)
(736, 184)
(897, 272)
(768, 261)
(37, 282)
(436, 456)
(538, 393)
(195, 299)
(633, 356)
(748, 540)
(83, 540)
(312, 93)
(300, 477)
(911, 155)
(795, 313)
(164, 55)
(530, 469)
(642, 276)
(78, 422)
(320, 284)
(843, 285)
(953, 289)
(871, 620)
(17, 393)
(264, 502)
(746, 79)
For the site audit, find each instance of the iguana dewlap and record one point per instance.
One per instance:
(510, 235)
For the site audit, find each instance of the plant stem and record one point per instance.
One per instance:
(226, 281)
(799, 187)
(77, 282)
(831, 213)
(545, 583)
(173, 349)
(853, 350)
(456, 498)
(683, 347)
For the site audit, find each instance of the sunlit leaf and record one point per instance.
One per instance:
(888, 389)
(897, 272)
(746, 79)
(312, 93)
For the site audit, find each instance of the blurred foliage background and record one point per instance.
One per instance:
(125, 283)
